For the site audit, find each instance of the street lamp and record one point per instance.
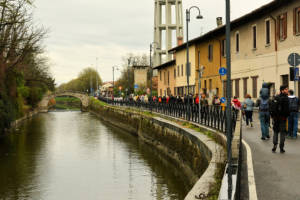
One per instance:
(199, 16)
(151, 68)
(113, 70)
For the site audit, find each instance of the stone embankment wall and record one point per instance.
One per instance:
(197, 155)
(22, 119)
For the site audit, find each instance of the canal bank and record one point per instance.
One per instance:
(197, 151)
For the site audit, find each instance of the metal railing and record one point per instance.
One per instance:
(210, 115)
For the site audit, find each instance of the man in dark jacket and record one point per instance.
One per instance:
(280, 117)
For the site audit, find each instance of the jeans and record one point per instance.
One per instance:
(248, 114)
(264, 118)
(279, 127)
(293, 124)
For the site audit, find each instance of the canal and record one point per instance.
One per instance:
(74, 155)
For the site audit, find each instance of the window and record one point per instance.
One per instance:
(268, 32)
(182, 70)
(178, 70)
(198, 58)
(254, 86)
(160, 92)
(159, 75)
(165, 78)
(297, 21)
(205, 87)
(175, 73)
(210, 85)
(285, 79)
(223, 48)
(224, 89)
(282, 26)
(254, 36)
(237, 88)
(175, 91)
(237, 42)
(168, 77)
(245, 80)
(210, 52)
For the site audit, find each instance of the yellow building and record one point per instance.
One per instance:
(166, 78)
(207, 50)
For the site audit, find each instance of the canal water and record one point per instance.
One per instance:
(74, 155)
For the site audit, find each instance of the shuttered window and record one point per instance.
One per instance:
(297, 21)
(223, 48)
(174, 73)
(237, 42)
(254, 36)
(282, 26)
(181, 70)
(237, 88)
(245, 86)
(268, 32)
(210, 52)
(254, 87)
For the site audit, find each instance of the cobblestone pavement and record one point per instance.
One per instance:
(277, 176)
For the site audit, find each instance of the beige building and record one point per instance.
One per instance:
(261, 42)
(140, 75)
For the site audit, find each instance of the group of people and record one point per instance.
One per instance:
(282, 109)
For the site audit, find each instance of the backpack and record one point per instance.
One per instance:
(264, 93)
(264, 105)
(293, 104)
(275, 107)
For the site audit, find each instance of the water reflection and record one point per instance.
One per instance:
(73, 155)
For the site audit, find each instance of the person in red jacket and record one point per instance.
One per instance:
(236, 104)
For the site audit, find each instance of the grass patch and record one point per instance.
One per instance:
(215, 188)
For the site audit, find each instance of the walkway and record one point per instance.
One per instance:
(277, 176)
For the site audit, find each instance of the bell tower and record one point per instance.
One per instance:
(168, 23)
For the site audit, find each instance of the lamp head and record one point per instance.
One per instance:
(199, 17)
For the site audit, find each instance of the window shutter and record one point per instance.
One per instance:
(294, 22)
(278, 28)
(284, 25)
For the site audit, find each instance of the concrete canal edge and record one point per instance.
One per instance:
(199, 152)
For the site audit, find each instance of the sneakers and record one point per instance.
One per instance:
(274, 149)
(251, 124)
(263, 138)
(268, 136)
(282, 150)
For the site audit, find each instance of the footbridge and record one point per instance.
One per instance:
(84, 98)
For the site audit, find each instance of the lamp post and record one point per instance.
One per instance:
(228, 100)
(151, 67)
(199, 16)
(113, 70)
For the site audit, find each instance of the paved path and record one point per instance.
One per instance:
(277, 176)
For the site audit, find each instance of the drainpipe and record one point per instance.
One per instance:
(220, 43)
(276, 51)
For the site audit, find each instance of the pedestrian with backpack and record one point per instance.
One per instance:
(248, 109)
(293, 118)
(279, 110)
(263, 104)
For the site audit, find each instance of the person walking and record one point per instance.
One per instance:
(293, 117)
(279, 110)
(248, 109)
(236, 104)
(263, 104)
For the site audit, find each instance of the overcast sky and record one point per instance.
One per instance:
(83, 30)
